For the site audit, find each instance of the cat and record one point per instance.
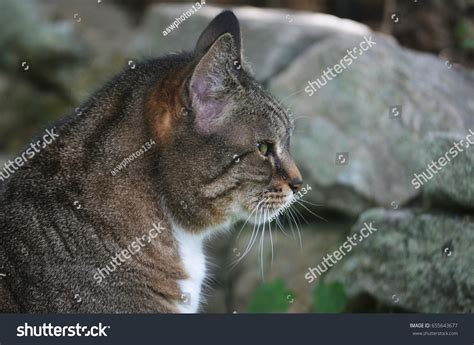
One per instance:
(81, 231)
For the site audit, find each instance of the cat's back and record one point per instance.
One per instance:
(59, 218)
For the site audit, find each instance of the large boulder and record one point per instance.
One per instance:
(36, 55)
(53, 59)
(354, 113)
(25, 37)
(272, 39)
(415, 260)
(452, 185)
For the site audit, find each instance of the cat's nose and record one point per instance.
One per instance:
(290, 173)
(295, 184)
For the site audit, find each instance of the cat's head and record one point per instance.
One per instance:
(224, 149)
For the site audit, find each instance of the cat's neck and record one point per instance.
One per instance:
(193, 257)
(191, 251)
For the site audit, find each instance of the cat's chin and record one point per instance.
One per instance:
(265, 214)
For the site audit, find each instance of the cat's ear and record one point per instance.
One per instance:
(225, 22)
(219, 53)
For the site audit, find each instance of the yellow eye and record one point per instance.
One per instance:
(264, 148)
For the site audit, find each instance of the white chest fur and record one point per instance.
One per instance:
(192, 255)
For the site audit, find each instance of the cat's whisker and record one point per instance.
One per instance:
(262, 249)
(301, 117)
(314, 214)
(297, 214)
(297, 227)
(290, 95)
(288, 219)
(271, 238)
(300, 215)
(247, 249)
(280, 226)
(310, 203)
(254, 210)
(254, 234)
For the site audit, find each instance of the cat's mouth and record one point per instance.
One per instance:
(269, 205)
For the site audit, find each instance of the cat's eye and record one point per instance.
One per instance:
(265, 148)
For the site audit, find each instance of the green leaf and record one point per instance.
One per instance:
(464, 34)
(271, 297)
(329, 298)
(468, 44)
(462, 29)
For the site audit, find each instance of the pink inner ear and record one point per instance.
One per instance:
(200, 87)
(207, 108)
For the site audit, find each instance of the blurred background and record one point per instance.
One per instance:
(396, 108)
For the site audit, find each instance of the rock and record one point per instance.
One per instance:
(351, 114)
(32, 35)
(453, 184)
(417, 261)
(54, 59)
(104, 33)
(271, 38)
(36, 57)
(25, 111)
(34, 48)
(102, 27)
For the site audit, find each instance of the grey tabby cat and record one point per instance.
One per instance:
(75, 237)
